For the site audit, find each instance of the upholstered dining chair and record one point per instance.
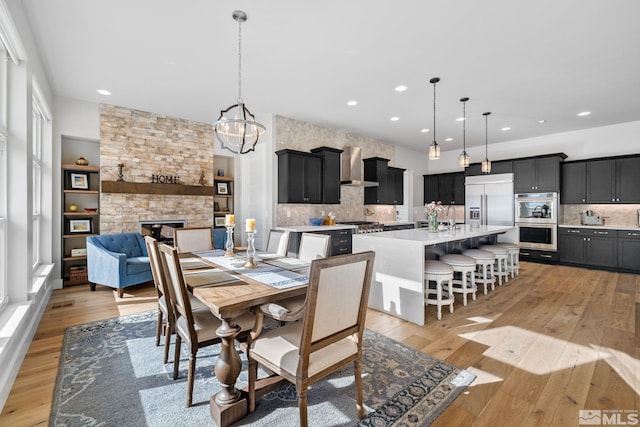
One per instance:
(278, 242)
(196, 327)
(329, 336)
(312, 246)
(193, 239)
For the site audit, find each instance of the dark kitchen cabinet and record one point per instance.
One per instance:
(395, 185)
(445, 187)
(330, 174)
(574, 183)
(390, 187)
(613, 180)
(539, 174)
(299, 177)
(499, 166)
(589, 247)
(628, 250)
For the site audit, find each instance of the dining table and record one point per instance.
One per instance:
(229, 289)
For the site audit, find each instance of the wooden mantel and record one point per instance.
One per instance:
(149, 188)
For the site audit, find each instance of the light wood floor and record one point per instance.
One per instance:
(553, 341)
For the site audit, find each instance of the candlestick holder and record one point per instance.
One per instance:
(251, 250)
(229, 244)
(120, 176)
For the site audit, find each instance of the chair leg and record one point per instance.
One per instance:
(159, 328)
(357, 367)
(120, 292)
(167, 342)
(302, 405)
(253, 376)
(191, 374)
(176, 357)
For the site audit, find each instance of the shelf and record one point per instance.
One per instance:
(223, 178)
(149, 188)
(74, 258)
(69, 282)
(75, 236)
(81, 214)
(72, 167)
(81, 191)
(223, 196)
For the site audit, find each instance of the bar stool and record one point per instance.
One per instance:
(439, 272)
(484, 267)
(514, 257)
(465, 266)
(502, 257)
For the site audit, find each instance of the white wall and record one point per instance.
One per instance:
(602, 141)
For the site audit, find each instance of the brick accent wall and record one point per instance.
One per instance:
(150, 144)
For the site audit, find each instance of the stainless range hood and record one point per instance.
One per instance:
(351, 173)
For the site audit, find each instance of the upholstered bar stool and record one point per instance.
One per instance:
(466, 266)
(502, 257)
(514, 257)
(439, 272)
(484, 267)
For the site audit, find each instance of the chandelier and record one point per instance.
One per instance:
(486, 164)
(236, 128)
(463, 160)
(434, 148)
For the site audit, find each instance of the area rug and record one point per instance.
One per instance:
(111, 374)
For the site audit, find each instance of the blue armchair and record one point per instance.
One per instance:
(118, 260)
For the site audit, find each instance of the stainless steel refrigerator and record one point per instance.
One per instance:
(489, 199)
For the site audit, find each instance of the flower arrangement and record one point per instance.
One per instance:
(433, 208)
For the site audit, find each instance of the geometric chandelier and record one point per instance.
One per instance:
(236, 128)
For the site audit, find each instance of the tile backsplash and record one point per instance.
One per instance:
(620, 214)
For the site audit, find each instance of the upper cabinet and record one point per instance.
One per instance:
(390, 182)
(330, 174)
(497, 167)
(602, 181)
(445, 187)
(299, 177)
(538, 174)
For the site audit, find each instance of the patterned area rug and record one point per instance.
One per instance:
(111, 374)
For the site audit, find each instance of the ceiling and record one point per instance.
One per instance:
(523, 61)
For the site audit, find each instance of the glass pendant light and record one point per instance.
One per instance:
(236, 128)
(434, 148)
(486, 164)
(463, 159)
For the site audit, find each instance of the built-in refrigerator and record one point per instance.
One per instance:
(489, 199)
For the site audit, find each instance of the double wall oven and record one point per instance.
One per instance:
(536, 216)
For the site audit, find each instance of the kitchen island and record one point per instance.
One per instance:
(398, 284)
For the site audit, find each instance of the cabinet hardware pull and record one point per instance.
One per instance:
(545, 256)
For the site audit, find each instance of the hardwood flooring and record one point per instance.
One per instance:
(553, 341)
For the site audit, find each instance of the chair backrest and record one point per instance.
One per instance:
(193, 239)
(278, 242)
(157, 271)
(314, 246)
(130, 244)
(176, 286)
(337, 299)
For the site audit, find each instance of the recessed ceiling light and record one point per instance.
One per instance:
(506, 128)
(584, 113)
(352, 103)
(542, 121)
(448, 139)
(394, 118)
(460, 119)
(425, 130)
(103, 92)
(400, 88)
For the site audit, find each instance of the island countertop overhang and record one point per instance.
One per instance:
(430, 238)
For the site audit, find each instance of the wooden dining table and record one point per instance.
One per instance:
(230, 291)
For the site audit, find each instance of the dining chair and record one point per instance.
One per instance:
(329, 335)
(278, 242)
(193, 239)
(196, 327)
(312, 246)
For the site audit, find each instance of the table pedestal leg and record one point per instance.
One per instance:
(229, 404)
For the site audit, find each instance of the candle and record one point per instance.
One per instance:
(251, 224)
(229, 220)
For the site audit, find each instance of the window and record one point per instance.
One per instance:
(36, 137)
(3, 175)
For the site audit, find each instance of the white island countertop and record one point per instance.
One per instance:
(397, 287)
(316, 228)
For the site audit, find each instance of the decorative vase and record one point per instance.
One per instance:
(81, 161)
(433, 222)
(73, 208)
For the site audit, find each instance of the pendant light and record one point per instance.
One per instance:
(463, 159)
(434, 148)
(486, 164)
(236, 128)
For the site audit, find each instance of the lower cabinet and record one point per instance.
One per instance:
(629, 250)
(588, 247)
(341, 241)
(392, 227)
(538, 256)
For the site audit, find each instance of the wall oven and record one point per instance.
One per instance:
(536, 215)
